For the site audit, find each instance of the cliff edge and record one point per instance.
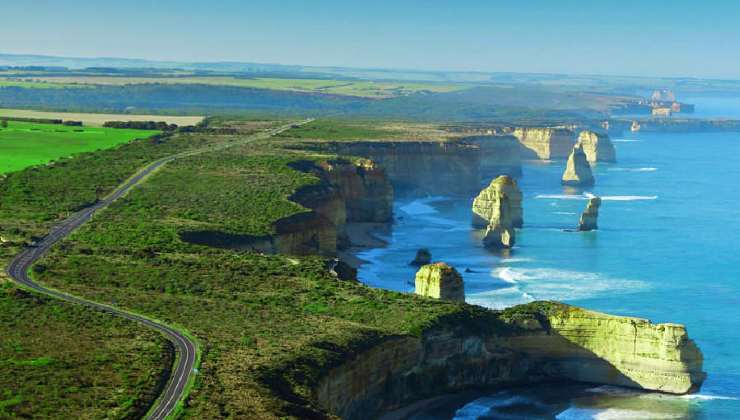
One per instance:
(533, 343)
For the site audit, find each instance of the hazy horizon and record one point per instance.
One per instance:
(628, 38)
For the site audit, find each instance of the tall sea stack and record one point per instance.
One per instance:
(440, 281)
(597, 146)
(590, 216)
(578, 170)
(486, 204)
(500, 232)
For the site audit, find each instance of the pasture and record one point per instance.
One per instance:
(25, 144)
(97, 120)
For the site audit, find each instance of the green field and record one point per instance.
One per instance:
(360, 88)
(25, 144)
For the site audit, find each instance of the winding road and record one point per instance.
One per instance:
(185, 347)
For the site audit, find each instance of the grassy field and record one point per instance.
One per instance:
(97, 120)
(366, 89)
(25, 144)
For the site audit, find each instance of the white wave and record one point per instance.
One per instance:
(561, 196)
(566, 213)
(626, 141)
(483, 407)
(499, 298)
(628, 197)
(705, 397)
(586, 196)
(576, 413)
(421, 206)
(554, 284)
(632, 169)
(517, 259)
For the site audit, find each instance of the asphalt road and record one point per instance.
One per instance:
(185, 347)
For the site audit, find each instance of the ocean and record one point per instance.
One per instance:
(667, 250)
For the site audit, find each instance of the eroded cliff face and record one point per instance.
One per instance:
(545, 143)
(543, 341)
(348, 192)
(365, 188)
(499, 155)
(486, 206)
(423, 167)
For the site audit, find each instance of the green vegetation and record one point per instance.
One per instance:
(64, 361)
(324, 129)
(24, 144)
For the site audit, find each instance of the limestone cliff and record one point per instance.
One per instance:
(367, 191)
(545, 143)
(499, 154)
(577, 170)
(590, 216)
(597, 146)
(534, 343)
(424, 167)
(440, 281)
(486, 206)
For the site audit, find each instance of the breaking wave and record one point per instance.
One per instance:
(632, 169)
(586, 196)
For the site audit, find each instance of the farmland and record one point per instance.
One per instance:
(24, 144)
(358, 88)
(97, 120)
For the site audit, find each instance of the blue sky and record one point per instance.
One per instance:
(662, 38)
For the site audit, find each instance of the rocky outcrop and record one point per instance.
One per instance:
(423, 257)
(486, 206)
(590, 216)
(578, 171)
(422, 167)
(530, 344)
(499, 154)
(597, 146)
(440, 281)
(545, 143)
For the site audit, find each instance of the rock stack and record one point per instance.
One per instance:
(440, 281)
(578, 170)
(486, 204)
(590, 216)
(598, 147)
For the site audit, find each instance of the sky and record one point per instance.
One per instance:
(628, 37)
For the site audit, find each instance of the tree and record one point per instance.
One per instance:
(4, 123)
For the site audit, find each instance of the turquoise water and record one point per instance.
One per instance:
(667, 250)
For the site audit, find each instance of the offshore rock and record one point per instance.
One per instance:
(578, 171)
(500, 232)
(423, 257)
(597, 146)
(440, 281)
(590, 216)
(523, 345)
(486, 206)
(545, 143)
